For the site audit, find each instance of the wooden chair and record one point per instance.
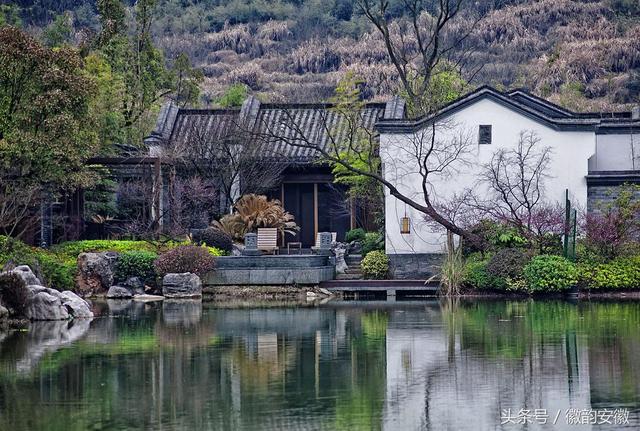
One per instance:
(268, 239)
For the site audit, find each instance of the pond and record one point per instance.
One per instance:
(342, 365)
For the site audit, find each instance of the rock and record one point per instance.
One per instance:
(135, 285)
(311, 294)
(45, 306)
(237, 250)
(4, 313)
(76, 306)
(27, 275)
(148, 298)
(184, 285)
(325, 291)
(355, 247)
(119, 292)
(339, 250)
(95, 272)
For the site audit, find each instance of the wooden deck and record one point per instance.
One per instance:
(391, 287)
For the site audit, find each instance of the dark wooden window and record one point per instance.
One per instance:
(484, 137)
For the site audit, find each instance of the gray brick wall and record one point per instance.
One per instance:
(414, 266)
(599, 196)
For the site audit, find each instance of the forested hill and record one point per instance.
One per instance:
(581, 54)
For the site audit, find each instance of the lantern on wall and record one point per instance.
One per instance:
(405, 223)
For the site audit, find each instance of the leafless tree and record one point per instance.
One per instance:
(18, 207)
(432, 154)
(516, 179)
(235, 162)
(423, 43)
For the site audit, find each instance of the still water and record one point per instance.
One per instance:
(341, 365)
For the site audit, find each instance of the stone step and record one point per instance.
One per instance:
(351, 270)
(347, 276)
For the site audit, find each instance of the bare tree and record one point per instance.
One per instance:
(18, 207)
(422, 44)
(236, 163)
(435, 152)
(516, 179)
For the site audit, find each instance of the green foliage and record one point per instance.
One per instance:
(74, 248)
(10, 15)
(547, 273)
(621, 273)
(445, 85)
(187, 82)
(357, 234)
(234, 96)
(507, 263)
(218, 239)
(477, 276)
(59, 32)
(136, 264)
(194, 259)
(57, 271)
(495, 236)
(373, 241)
(375, 265)
(14, 294)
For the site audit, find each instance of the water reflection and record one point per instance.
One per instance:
(425, 365)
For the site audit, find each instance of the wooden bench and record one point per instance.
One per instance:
(268, 239)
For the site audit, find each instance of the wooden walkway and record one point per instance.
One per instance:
(391, 287)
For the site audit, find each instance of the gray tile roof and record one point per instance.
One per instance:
(279, 128)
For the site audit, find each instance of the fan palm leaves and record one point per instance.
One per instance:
(254, 211)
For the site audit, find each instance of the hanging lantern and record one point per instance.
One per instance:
(405, 225)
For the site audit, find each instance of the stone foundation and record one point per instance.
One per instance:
(419, 266)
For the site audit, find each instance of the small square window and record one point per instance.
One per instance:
(484, 136)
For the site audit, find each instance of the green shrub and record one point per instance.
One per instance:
(621, 273)
(355, 235)
(189, 258)
(375, 265)
(55, 270)
(372, 241)
(546, 273)
(14, 293)
(74, 248)
(217, 238)
(136, 264)
(477, 276)
(507, 263)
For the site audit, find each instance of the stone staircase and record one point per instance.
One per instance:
(354, 272)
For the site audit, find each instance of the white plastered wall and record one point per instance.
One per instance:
(571, 151)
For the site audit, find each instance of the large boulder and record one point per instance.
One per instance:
(27, 275)
(135, 285)
(76, 306)
(96, 272)
(46, 306)
(119, 292)
(183, 285)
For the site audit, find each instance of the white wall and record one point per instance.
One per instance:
(569, 166)
(616, 153)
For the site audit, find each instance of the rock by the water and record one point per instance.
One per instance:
(184, 285)
(119, 292)
(45, 306)
(27, 275)
(135, 285)
(96, 272)
(4, 313)
(76, 306)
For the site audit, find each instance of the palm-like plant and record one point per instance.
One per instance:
(254, 211)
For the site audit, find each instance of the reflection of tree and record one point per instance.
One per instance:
(360, 406)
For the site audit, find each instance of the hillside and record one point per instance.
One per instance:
(581, 54)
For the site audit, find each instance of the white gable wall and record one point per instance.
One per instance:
(570, 153)
(616, 152)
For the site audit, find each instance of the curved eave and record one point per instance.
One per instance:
(409, 126)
